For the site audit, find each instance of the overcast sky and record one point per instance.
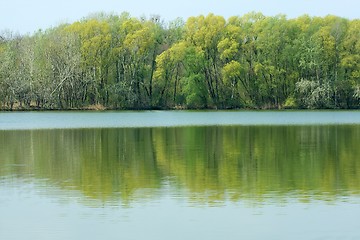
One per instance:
(27, 16)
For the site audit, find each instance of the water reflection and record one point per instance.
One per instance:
(205, 165)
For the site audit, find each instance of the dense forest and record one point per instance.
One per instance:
(109, 61)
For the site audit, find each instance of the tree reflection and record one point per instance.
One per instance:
(206, 164)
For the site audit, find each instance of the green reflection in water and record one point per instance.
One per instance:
(206, 164)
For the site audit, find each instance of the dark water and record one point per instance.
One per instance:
(209, 182)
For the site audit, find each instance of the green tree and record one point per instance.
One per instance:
(95, 41)
(117, 61)
(205, 33)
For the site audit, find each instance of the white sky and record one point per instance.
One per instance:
(27, 16)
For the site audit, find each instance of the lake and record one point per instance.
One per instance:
(180, 175)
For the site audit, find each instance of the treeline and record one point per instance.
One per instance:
(120, 62)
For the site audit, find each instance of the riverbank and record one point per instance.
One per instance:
(100, 107)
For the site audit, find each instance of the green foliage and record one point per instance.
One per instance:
(195, 92)
(290, 102)
(170, 67)
(204, 62)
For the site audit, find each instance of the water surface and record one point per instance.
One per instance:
(51, 120)
(255, 181)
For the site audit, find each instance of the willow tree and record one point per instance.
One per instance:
(94, 35)
(170, 69)
(205, 33)
(245, 33)
(349, 90)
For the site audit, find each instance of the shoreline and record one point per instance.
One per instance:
(100, 108)
(105, 109)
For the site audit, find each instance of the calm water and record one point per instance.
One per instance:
(241, 175)
(61, 120)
